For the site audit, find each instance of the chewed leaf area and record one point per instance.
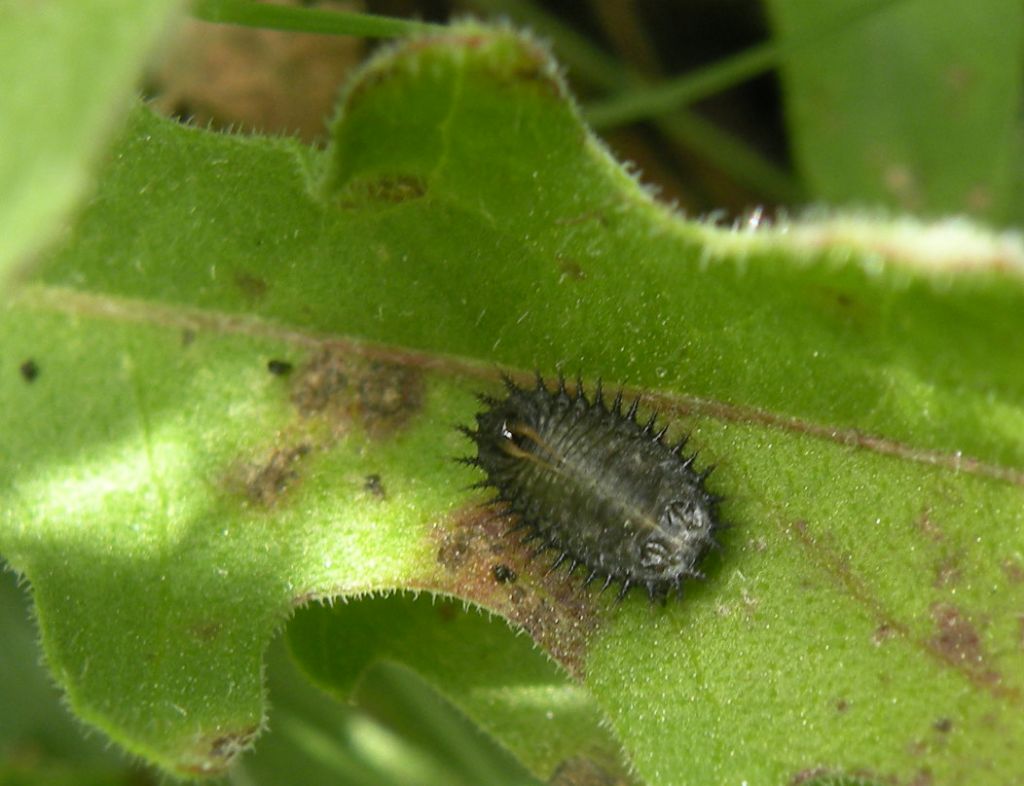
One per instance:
(233, 392)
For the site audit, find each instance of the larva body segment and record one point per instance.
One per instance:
(590, 482)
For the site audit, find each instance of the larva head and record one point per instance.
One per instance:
(507, 432)
(685, 530)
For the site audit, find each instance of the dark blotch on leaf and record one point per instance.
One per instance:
(947, 571)
(324, 383)
(551, 608)
(211, 755)
(883, 633)
(397, 188)
(227, 746)
(207, 631)
(375, 486)
(503, 574)
(1014, 570)
(388, 391)
(452, 553)
(265, 483)
(822, 776)
(391, 189)
(583, 771)
(29, 370)
(368, 81)
(957, 640)
(381, 396)
(279, 368)
(571, 270)
(253, 287)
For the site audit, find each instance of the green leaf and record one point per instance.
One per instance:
(67, 69)
(915, 107)
(40, 742)
(402, 732)
(316, 740)
(172, 501)
(493, 674)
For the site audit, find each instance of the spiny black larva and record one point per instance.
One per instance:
(590, 482)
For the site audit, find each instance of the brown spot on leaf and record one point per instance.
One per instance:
(943, 725)
(453, 550)
(392, 189)
(840, 306)
(206, 630)
(1013, 570)
(808, 776)
(554, 607)
(214, 753)
(842, 705)
(527, 64)
(227, 746)
(826, 557)
(534, 71)
(947, 571)
(389, 392)
(923, 777)
(367, 81)
(584, 771)
(381, 396)
(825, 776)
(956, 643)
(342, 389)
(252, 286)
(570, 270)
(264, 482)
(927, 526)
(882, 634)
(957, 639)
(396, 188)
(323, 382)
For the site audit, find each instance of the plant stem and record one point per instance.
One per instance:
(639, 104)
(306, 20)
(644, 102)
(724, 150)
